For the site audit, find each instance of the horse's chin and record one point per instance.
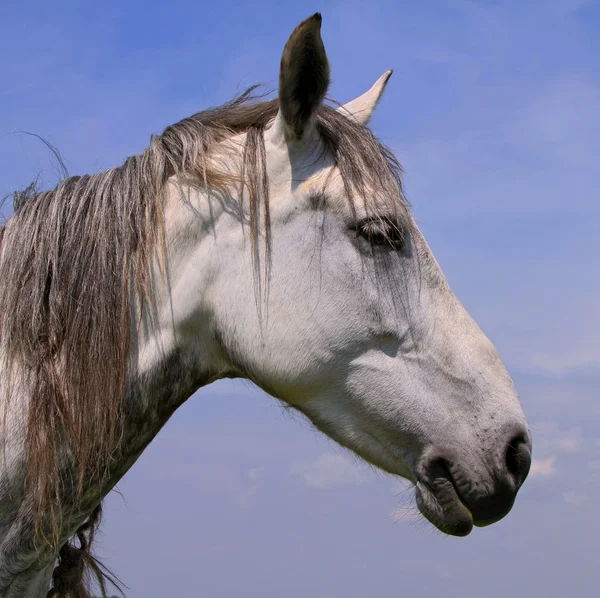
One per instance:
(442, 506)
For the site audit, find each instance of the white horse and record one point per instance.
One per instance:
(268, 240)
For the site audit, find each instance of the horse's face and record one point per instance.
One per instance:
(359, 329)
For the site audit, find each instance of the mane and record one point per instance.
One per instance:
(72, 258)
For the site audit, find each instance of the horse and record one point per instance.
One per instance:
(265, 239)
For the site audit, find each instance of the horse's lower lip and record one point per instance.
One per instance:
(442, 506)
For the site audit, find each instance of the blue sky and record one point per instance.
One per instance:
(494, 111)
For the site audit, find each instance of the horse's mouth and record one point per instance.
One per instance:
(439, 501)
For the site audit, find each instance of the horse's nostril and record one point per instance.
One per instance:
(518, 458)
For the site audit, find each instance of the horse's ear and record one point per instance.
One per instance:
(303, 78)
(362, 108)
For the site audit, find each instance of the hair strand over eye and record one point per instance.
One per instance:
(381, 231)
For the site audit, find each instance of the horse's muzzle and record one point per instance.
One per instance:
(455, 495)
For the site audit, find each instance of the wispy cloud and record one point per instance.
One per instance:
(328, 471)
(576, 499)
(570, 441)
(248, 496)
(543, 468)
(552, 439)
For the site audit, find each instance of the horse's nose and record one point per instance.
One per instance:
(517, 458)
(508, 476)
(486, 487)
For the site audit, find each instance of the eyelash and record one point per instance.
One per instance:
(381, 231)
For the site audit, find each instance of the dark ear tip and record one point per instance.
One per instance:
(314, 21)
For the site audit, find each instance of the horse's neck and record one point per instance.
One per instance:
(170, 358)
(167, 365)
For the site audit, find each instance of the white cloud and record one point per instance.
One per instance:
(329, 470)
(565, 362)
(255, 473)
(570, 442)
(577, 499)
(549, 439)
(542, 468)
(247, 499)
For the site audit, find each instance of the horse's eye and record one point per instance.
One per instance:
(381, 231)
